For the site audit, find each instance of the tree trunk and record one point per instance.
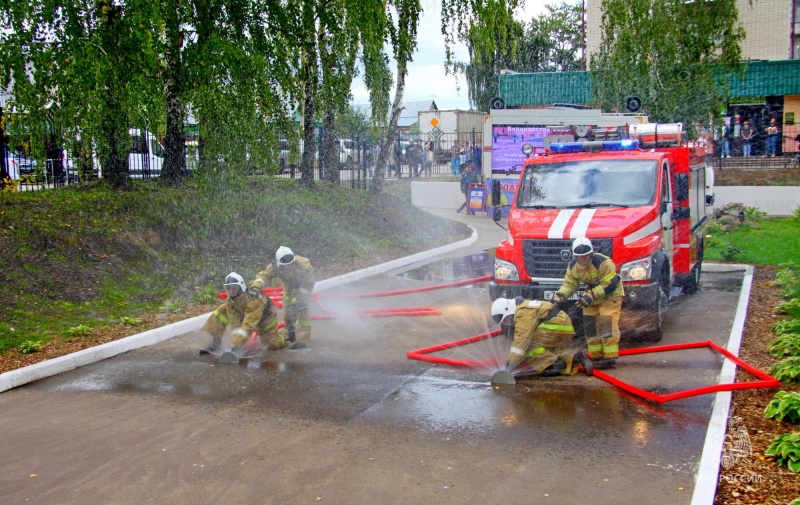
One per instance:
(174, 157)
(380, 169)
(330, 153)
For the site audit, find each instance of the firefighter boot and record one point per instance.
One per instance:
(290, 335)
(604, 363)
(554, 369)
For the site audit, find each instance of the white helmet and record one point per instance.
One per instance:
(582, 246)
(284, 256)
(503, 307)
(234, 285)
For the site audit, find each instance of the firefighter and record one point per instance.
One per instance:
(250, 315)
(601, 302)
(296, 275)
(543, 336)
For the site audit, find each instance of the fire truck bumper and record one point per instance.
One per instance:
(527, 291)
(640, 296)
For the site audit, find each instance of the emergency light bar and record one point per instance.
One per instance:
(594, 146)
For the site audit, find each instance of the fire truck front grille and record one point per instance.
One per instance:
(548, 258)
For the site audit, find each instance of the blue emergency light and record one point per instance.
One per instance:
(594, 146)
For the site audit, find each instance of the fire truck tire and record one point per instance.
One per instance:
(656, 315)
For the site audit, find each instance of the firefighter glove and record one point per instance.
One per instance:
(584, 301)
(559, 298)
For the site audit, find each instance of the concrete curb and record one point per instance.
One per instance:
(30, 373)
(705, 488)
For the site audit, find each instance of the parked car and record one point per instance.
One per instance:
(19, 165)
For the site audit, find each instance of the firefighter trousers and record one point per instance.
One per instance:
(601, 326)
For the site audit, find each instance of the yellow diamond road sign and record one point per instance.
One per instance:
(434, 122)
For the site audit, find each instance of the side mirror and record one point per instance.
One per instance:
(497, 214)
(681, 187)
(496, 193)
(680, 213)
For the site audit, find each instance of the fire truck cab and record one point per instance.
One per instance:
(641, 199)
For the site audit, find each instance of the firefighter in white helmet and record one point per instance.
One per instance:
(601, 302)
(296, 275)
(543, 338)
(250, 315)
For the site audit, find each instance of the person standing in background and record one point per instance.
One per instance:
(747, 137)
(772, 139)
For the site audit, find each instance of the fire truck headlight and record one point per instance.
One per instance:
(638, 270)
(505, 271)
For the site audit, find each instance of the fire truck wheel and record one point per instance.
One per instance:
(656, 315)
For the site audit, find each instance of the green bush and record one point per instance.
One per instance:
(786, 326)
(791, 308)
(786, 449)
(787, 369)
(787, 344)
(79, 331)
(788, 280)
(785, 407)
(172, 306)
(130, 321)
(29, 346)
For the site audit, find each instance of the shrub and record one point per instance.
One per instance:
(130, 321)
(787, 369)
(207, 295)
(787, 344)
(172, 306)
(788, 280)
(785, 407)
(786, 450)
(791, 308)
(29, 346)
(786, 326)
(79, 331)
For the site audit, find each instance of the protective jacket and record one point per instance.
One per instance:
(297, 279)
(599, 276)
(245, 314)
(539, 339)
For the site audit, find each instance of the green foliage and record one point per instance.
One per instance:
(172, 306)
(786, 450)
(130, 321)
(787, 369)
(791, 308)
(796, 501)
(788, 280)
(762, 242)
(79, 331)
(207, 295)
(666, 52)
(796, 213)
(786, 326)
(785, 407)
(785, 345)
(29, 346)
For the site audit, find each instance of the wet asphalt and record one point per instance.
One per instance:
(352, 420)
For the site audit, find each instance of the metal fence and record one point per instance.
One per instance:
(431, 157)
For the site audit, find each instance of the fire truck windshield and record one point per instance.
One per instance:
(589, 184)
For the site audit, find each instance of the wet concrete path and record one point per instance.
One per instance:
(353, 421)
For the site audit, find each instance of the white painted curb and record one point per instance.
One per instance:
(30, 373)
(708, 470)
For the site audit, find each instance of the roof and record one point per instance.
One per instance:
(761, 78)
(545, 88)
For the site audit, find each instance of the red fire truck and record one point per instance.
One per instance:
(640, 198)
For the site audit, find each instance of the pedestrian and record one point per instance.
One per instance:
(296, 275)
(772, 138)
(427, 160)
(455, 158)
(736, 135)
(466, 156)
(601, 302)
(747, 137)
(414, 157)
(477, 156)
(726, 141)
(542, 338)
(467, 178)
(249, 315)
